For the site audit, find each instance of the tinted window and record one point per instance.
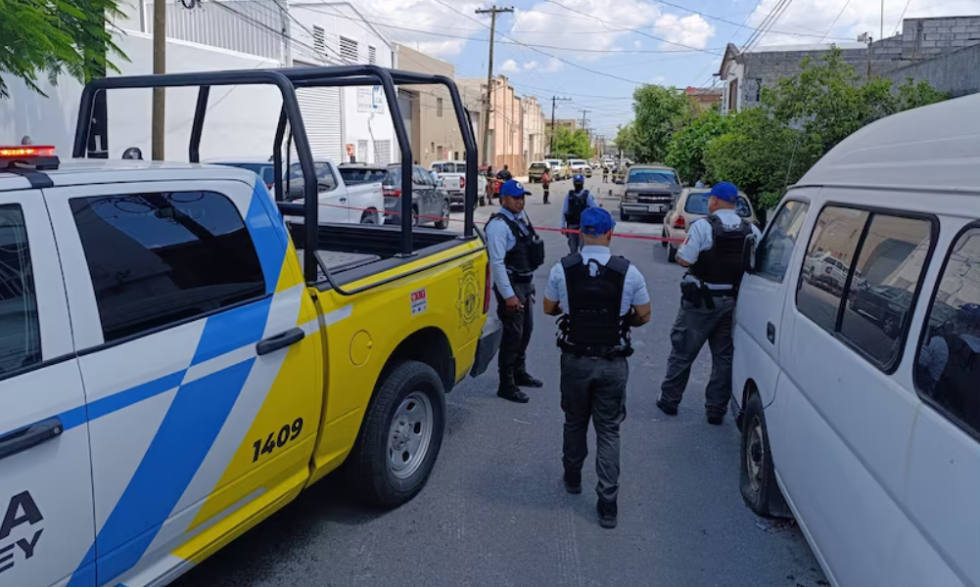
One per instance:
(776, 249)
(323, 174)
(265, 171)
(156, 259)
(697, 203)
(887, 273)
(460, 168)
(651, 176)
(355, 175)
(948, 367)
(394, 176)
(836, 235)
(20, 335)
(538, 166)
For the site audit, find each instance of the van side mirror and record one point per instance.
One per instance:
(750, 254)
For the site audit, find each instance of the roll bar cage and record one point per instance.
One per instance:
(288, 80)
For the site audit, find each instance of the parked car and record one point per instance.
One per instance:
(580, 166)
(430, 204)
(690, 205)
(536, 170)
(650, 192)
(338, 203)
(856, 370)
(558, 171)
(452, 176)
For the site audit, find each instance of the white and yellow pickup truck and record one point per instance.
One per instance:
(171, 374)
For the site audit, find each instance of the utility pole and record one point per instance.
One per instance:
(554, 102)
(493, 11)
(584, 122)
(159, 66)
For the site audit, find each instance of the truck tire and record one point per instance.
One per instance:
(757, 481)
(443, 222)
(664, 243)
(400, 437)
(623, 216)
(671, 254)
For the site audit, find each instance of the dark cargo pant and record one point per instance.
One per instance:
(593, 387)
(574, 240)
(517, 328)
(692, 328)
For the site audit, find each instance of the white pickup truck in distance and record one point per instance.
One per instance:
(339, 203)
(452, 175)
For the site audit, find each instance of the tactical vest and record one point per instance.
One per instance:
(957, 386)
(722, 264)
(528, 251)
(577, 203)
(591, 325)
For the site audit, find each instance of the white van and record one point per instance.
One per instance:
(859, 401)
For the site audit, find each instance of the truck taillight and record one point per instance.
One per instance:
(486, 290)
(462, 183)
(679, 222)
(392, 193)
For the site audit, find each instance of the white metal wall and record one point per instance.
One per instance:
(322, 115)
(246, 26)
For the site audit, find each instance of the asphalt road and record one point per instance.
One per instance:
(495, 513)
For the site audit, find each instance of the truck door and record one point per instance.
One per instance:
(190, 327)
(46, 531)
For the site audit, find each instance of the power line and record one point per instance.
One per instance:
(843, 8)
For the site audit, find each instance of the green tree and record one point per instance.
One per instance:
(576, 143)
(760, 155)
(55, 36)
(685, 152)
(626, 139)
(913, 95)
(659, 112)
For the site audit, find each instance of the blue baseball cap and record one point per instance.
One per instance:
(725, 191)
(578, 178)
(514, 189)
(596, 221)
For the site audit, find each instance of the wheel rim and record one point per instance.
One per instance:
(445, 212)
(410, 435)
(754, 454)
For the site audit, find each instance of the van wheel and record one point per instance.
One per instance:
(758, 478)
(664, 243)
(400, 437)
(443, 222)
(671, 254)
(623, 216)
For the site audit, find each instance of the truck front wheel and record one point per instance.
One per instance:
(401, 435)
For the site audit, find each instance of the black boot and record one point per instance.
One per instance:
(607, 513)
(524, 379)
(509, 390)
(573, 481)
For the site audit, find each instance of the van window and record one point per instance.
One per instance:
(947, 372)
(880, 298)
(835, 236)
(20, 333)
(776, 249)
(160, 258)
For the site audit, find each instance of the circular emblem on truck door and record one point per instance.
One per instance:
(469, 296)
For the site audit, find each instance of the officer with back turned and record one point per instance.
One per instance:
(599, 297)
(515, 252)
(577, 200)
(713, 254)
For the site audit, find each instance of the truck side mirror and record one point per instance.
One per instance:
(749, 254)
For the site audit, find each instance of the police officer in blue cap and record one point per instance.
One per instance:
(599, 297)
(577, 200)
(713, 254)
(516, 252)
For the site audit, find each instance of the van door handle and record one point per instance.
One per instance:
(279, 341)
(771, 332)
(30, 436)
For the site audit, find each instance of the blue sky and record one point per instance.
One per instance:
(597, 51)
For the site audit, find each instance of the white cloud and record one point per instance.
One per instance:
(424, 15)
(551, 66)
(637, 44)
(510, 66)
(683, 32)
(809, 20)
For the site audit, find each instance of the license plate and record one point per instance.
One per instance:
(656, 208)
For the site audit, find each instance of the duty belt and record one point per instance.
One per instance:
(606, 352)
(517, 278)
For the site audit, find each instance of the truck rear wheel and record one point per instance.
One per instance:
(401, 435)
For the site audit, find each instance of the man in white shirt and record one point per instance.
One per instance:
(713, 253)
(599, 298)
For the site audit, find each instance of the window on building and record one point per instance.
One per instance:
(348, 50)
(319, 40)
(776, 249)
(160, 258)
(372, 55)
(20, 332)
(948, 366)
(439, 107)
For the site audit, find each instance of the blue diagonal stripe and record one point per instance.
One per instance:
(267, 232)
(232, 330)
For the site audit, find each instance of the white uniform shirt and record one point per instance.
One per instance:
(700, 238)
(634, 287)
